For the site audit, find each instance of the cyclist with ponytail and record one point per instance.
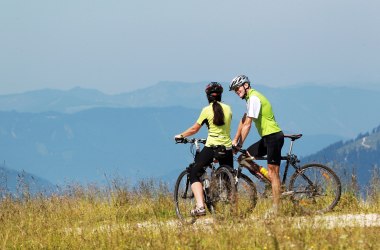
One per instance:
(217, 116)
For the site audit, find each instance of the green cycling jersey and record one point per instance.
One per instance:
(260, 109)
(217, 135)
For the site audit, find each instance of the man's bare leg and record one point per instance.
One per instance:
(274, 174)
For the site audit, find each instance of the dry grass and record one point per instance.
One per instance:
(118, 217)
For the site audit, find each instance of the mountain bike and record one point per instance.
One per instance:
(218, 187)
(313, 187)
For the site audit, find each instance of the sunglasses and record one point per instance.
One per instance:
(236, 88)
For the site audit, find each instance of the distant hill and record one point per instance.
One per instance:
(46, 100)
(19, 183)
(309, 109)
(358, 156)
(131, 143)
(165, 94)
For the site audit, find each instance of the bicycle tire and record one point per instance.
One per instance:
(184, 198)
(246, 195)
(223, 192)
(316, 188)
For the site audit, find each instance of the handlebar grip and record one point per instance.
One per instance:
(243, 151)
(180, 140)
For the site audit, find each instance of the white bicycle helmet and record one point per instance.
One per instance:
(239, 81)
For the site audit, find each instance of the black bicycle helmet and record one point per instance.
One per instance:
(214, 88)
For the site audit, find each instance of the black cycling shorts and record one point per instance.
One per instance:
(204, 158)
(269, 145)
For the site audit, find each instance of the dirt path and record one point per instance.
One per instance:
(333, 221)
(320, 221)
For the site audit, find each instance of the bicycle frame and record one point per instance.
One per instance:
(290, 158)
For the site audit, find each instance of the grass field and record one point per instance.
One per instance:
(119, 217)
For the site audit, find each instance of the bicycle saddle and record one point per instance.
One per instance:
(293, 137)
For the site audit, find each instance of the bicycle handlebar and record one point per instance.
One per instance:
(190, 140)
(243, 151)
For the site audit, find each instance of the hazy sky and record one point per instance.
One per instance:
(118, 46)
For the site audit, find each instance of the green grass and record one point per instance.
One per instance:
(144, 218)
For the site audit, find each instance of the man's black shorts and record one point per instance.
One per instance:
(269, 145)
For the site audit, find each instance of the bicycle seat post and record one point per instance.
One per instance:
(291, 147)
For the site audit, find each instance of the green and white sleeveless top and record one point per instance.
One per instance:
(260, 109)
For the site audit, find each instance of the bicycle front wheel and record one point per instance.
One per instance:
(316, 188)
(223, 192)
(184, 198)
(246, 195)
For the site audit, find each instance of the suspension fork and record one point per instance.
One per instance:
(184, 196)
(237, 174)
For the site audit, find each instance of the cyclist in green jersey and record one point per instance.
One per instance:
(259, 111)
(217, 116)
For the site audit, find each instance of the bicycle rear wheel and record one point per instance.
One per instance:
(246, 195)
(184, 198)
(316, 188)
(223, 192)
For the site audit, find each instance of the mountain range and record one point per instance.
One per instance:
(356, 157)
(22, 184)
(309, 109)
(86, 146)
(85, 135)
